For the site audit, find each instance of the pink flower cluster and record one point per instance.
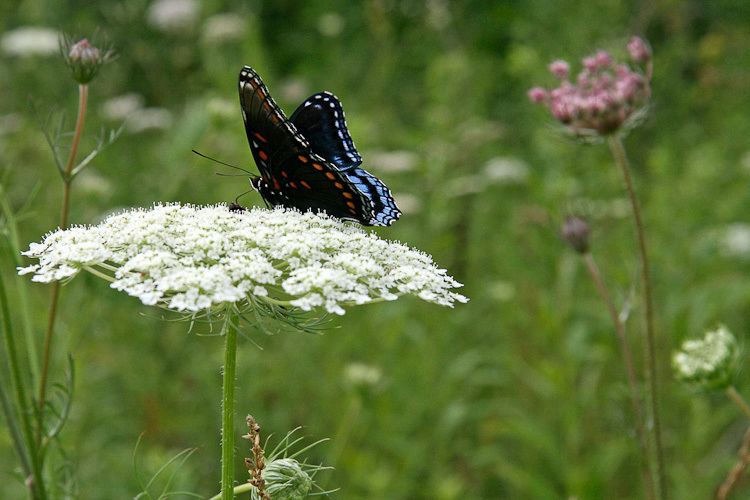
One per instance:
(605, 94)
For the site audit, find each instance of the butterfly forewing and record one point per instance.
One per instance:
(296, 173)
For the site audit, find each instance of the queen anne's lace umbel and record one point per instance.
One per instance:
(190, 258)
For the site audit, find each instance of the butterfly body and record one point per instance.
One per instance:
(309, 162)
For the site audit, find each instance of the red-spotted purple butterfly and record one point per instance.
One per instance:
(309, 161)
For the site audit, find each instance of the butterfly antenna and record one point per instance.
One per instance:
(237, 200)
(221, 162)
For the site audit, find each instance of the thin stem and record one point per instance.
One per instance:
(627, 359)
(242, 488)
(618, 152)
(23, 300)
(738, 400)
(36, 484)
(83, 92)
(227, 407)
(738, 470)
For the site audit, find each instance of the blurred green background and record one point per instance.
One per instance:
(518, 394)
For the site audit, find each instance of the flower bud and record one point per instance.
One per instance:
(576, 232)
(285, 480)
(708, 363)
(560, 69)
(537, 94)
(84, 59)
(639, 50)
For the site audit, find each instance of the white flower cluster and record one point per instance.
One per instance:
(190, 258)
(708, 362)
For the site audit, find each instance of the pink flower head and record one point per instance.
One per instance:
(639, 50)
(560, 69)
(537, 95)
(604, 96)
(602, 59)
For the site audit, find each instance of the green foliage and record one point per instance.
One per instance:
(518, 394)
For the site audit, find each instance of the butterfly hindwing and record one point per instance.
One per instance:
(320, 119)
(296, 172)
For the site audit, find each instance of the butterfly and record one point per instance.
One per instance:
(308, 161)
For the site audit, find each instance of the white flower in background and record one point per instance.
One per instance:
(392, 161)
(331, 24)
(30, 41)
(709, 362)
(219, 107)
(148, 119)
(120, 107)
(226, 27)
(735, 240)
(190, 258)
(173, 15)
(361, 374)
(408, 203)
(506, 170)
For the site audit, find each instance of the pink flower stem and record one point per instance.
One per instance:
(735, 474)
(83, 92)
(627, 358)
(618, 152)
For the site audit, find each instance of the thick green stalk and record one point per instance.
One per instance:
(83, 93)
(24, 405)
(618, 152)
(227, 406)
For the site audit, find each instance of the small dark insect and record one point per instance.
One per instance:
(236, 207)
(309, 161)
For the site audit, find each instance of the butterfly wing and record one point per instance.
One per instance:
(320, 119)
(295, 175)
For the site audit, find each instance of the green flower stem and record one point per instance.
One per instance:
(242, 488)
(83, 93)
(227, 405)
(737, 398)
(23, 300)
(627, 358)
(37, 480)
(618, 152)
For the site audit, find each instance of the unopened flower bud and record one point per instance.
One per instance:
(709, 362)
(84, 59)
(537, 94)
(560, 69)
(639, 50)
(576, 232)
(285, 480)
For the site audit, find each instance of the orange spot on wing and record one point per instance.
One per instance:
(317, 166)
(263, 155)
(293, 185)
(303, 159)
(338, 185)
(304, 183)
(348, 195)
(276, 185)
(330, 175)
(350, 204)
(283, 174)
(260, 137)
